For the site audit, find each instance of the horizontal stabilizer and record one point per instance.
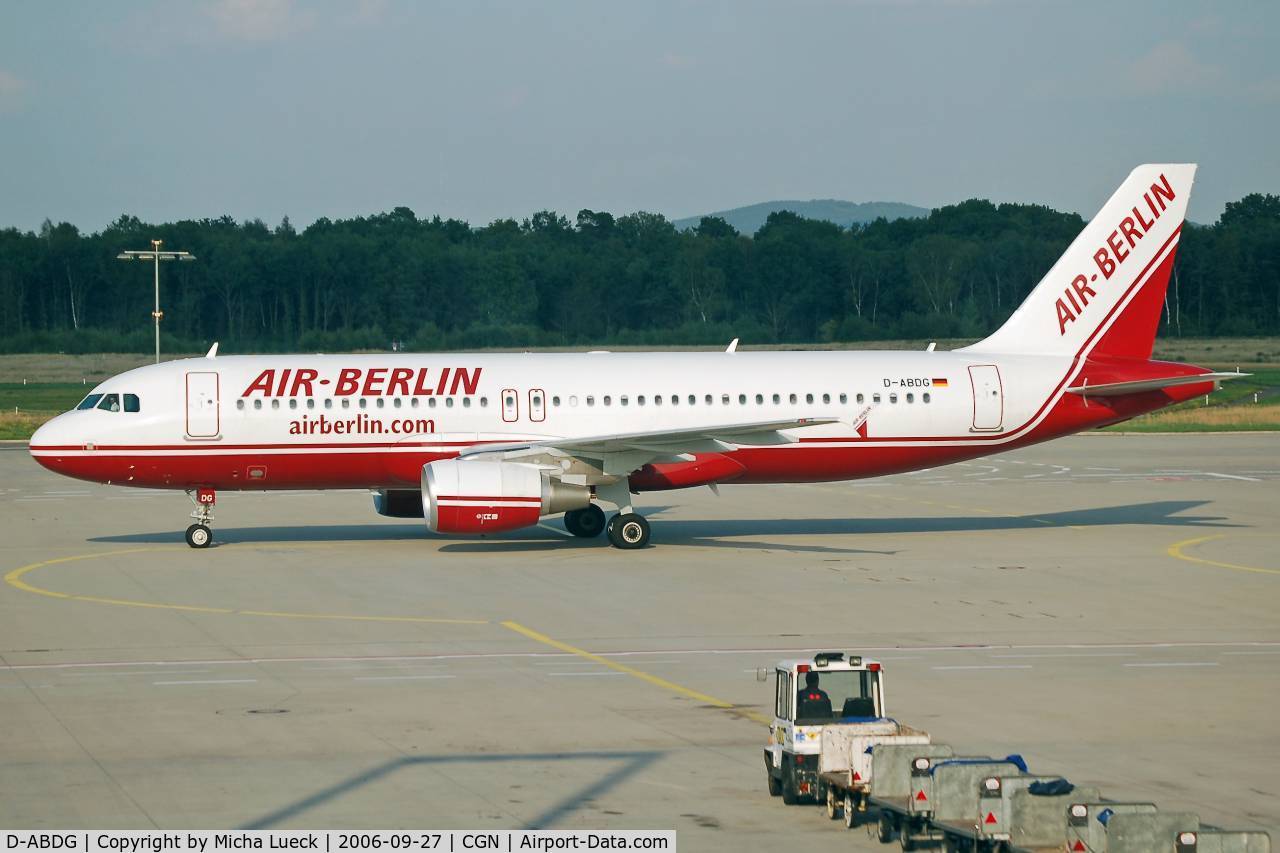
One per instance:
(1117, 389)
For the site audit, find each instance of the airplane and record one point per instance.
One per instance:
(484, 443)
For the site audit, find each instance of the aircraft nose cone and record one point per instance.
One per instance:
(48, 440)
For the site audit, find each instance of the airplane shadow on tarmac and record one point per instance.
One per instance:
(715, 533)
(629, 764)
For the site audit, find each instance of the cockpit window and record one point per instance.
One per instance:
(110, 403)
(89, 402)
(131, 403)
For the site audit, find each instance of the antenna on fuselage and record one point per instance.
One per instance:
(733, 346)
(213, 351)
(931, 347)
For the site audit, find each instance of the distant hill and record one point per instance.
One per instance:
(843, 213)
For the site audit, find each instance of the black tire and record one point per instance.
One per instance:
(833, 803)
(904, 836)
(199, 536)
(789, 794)
(850, 812)
(884, 828)
(775, 784)
(628, 531)
(587, 523)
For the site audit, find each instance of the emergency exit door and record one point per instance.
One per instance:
(202, 405)
(988, 397)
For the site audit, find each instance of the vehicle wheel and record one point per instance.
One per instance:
(199, 536)
(833, 803)
(588, 522)
(628, 531)
(789, 795)
(850, 812)
(884, 829)
(904, 837)
(775, 786)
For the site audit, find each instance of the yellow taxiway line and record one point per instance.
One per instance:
(649, 678)
(1176, 551)
(15, 579)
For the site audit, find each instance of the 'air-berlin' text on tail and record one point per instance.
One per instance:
(1105, 294)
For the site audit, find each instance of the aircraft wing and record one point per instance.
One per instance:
(1117, 389)
(624, 452)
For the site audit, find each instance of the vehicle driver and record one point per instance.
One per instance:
(813, 702)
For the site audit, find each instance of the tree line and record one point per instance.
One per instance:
(366, 282)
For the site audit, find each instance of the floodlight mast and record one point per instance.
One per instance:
(156, 255)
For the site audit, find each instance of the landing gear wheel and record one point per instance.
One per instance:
(884, 829)
(775, 785)
(587, 522)
(850, 812)
(199, 536)
(628, 530)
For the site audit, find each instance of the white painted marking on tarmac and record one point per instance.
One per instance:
(588, 674)
(1232, 477)
(114, 673)
(1175, 663)
(1077, 655)
(1252, 653)
(211, 681)
(970, 647)
(989, 666)
(399, 677)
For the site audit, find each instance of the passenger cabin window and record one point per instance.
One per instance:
(257, 404)
(860, 398)
(925, 397)
(844, 398)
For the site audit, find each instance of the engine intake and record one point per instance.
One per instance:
(487, 497)
(399, 503)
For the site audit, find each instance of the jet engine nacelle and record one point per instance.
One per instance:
(399, 503)
(486, 497)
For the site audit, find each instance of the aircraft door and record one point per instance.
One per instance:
(202, 405)
(510, 405)
(988, 397)
(537, 405)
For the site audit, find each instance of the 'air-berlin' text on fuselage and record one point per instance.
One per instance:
(1118, 247)
(365, 382)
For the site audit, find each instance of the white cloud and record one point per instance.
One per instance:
(12, 88)
(1169, 68)
(255, 20)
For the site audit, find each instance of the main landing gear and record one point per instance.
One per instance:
(628, 529)
(200, 535)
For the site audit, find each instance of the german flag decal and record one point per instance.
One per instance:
(939, 383)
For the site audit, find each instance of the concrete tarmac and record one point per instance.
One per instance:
(1107, 605)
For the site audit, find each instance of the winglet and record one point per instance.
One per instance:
(213, 351)
(733, 346)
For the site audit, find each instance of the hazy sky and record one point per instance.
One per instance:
(480, 110)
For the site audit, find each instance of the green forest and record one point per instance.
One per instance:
(435, 283)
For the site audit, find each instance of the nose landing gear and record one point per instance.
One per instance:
(200, 535)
